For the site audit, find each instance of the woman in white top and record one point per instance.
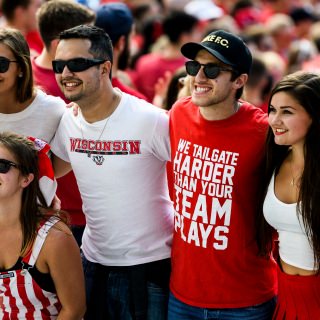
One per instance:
(291, 205)
(24, 108)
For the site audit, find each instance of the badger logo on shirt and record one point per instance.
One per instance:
(98, 160)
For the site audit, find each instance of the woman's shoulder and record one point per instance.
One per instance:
(48, 101)
(59, 249)
(56, 228)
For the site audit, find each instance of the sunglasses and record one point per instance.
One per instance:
(210, 70)
(76, 64)
(5, 165)
(4, 64)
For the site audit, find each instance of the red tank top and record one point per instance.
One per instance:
(20, 296)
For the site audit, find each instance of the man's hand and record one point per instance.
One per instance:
(75, 108)
(56, 203)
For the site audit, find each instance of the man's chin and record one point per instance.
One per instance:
(73, 98)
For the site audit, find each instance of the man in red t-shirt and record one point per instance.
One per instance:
(217, 144)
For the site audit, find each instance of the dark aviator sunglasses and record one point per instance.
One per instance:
(211, 70)
(4, 64)
(76, 64)
(5, 165)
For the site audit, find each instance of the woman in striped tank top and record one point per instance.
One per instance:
(40, 266)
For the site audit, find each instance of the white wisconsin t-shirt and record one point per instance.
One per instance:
(122, 180)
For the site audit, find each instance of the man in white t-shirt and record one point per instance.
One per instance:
(117, 146)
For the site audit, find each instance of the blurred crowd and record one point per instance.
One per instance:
(284, 36)
(111, 60)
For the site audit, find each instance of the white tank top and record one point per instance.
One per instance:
(294, 246)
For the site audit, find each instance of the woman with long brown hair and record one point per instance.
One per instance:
(41, 274)
(291, 206)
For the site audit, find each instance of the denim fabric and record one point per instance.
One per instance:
(181, 311)
(114, 303)
(77, 232)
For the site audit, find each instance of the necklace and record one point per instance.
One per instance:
(295, 179)
(236, 107)
(114, 104)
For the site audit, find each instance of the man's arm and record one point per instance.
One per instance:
(60, 166)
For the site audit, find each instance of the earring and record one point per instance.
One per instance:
(20, 75)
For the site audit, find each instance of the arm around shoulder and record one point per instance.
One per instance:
(161, 138)
(60, 166)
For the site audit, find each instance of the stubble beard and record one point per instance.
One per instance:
(210, 101)
(74, 97)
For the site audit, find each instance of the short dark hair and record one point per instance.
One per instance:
(176, 23)
(9, 6)
(101, 45)
(258, 71)
(59, 15)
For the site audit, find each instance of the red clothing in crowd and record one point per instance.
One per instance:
(150, 68)
(35, 42)
(116, 83)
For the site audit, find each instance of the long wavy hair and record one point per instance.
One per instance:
(304, 87)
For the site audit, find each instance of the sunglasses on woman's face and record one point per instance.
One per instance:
(5, 165)
(4, 64)
(76, 64)
(211, 70)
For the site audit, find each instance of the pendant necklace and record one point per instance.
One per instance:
(115, 99)
(237, 107)
(294, 179)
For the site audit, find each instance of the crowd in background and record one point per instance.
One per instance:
(282, 35)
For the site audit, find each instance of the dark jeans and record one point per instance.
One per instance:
(77, 232)
(116, 300)
(181, 311)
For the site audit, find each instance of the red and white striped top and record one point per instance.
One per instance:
(20, 296)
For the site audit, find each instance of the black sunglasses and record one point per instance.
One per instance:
(5, 165)
(4, 64)
(76, 64)
(210, 70)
